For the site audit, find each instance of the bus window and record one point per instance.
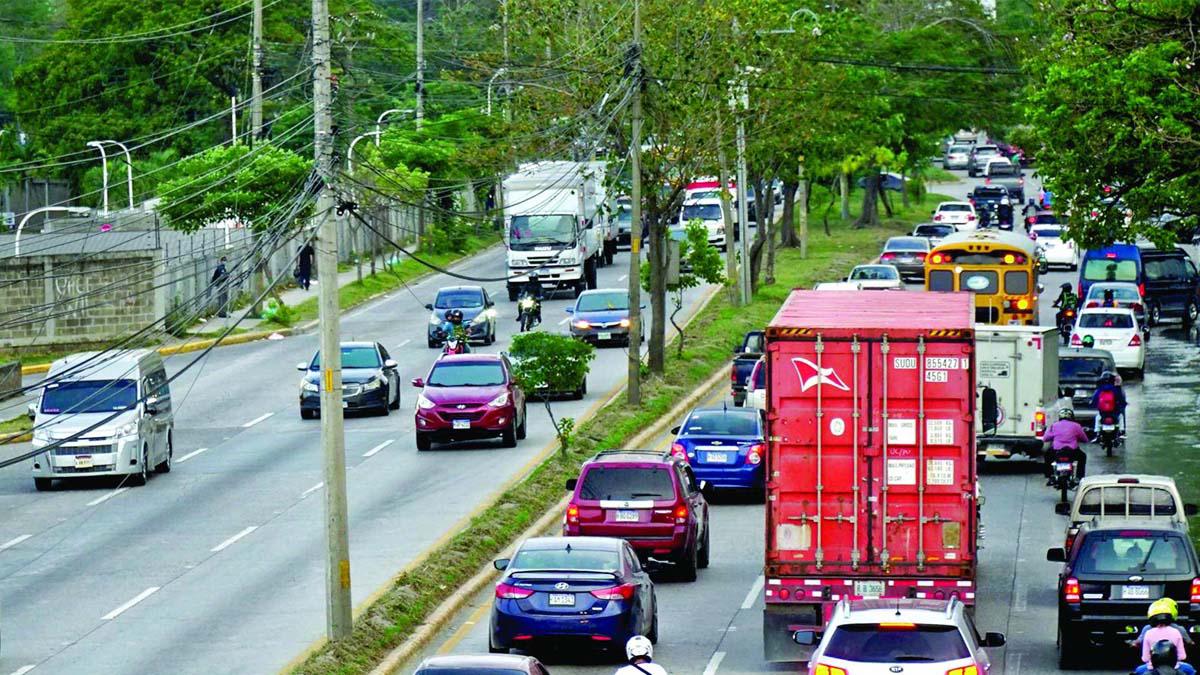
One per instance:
(941, 280)
(1016, 283)
(984, 282)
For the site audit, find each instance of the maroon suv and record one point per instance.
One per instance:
(650, 499)
(469, 396)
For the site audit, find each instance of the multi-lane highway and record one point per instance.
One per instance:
(218, 567)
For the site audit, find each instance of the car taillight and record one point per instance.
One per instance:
(1135, 341)
(572, 514)
(677, 450)
(888, 256)
(1071, 533)
(937, 218)
(1195, 591)
(622, 592)
(1071, 592)
(509, 592)
(964, 670)
(1093, 303)
(987, 181)
(681, 514)
(970, 216)
(826, 669)
(1076, 341)
(754, 454)
(1142, 290)
(1020, 181)
(1136, 306)
(920, 255)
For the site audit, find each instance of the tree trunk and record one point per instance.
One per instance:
(904, 190)
(844, 184)
(769, 273)
(787, 226)
(870, 204)
(828, 208)
(658, 293)
(883, 197)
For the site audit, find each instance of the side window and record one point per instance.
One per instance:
(941, 280)
(1154, 270)
(1172, 268)
(632, 560)
(690, 478)
(971, 627)
(1190, 269)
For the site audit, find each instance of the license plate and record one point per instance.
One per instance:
(906, 260)
(83, 461)
(462, 424)
(1063, 466)
(868, 589)
(1106, 342)
(1135, 592)
(603, 336)
(624, 516)
(716, 457)
(562, 599)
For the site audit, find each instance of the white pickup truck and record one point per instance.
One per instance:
(1018, 366)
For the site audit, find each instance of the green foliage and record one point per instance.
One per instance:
(699, 261)
(566, 433)
(549, 363)
(253, 185)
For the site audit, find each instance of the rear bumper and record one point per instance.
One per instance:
(745, 477)
(1005, 447)
(511, 627)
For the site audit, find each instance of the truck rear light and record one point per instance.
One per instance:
(826, 669)
(509, 592)
(754, 454)
(1071, 592)
(622, 592)
(1195, 591)
(1039, 422)
(678, 451)
(1135, 341)
(965, 670)
(572, 514)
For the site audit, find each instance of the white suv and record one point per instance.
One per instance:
(923, 637)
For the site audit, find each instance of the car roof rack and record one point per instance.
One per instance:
(614, 452)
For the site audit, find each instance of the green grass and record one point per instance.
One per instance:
(17, 425)
(417, 592)
(936, 174)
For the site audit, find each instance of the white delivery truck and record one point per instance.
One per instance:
(606, 207)
(552, 225)
(1018, 366)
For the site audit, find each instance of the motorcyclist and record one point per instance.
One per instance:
(1066, 297)
(1164, 660)
(640, 654)
(532, 289)
(1062, 439)
(454, 330)
(1109, 401)
(1162, 615)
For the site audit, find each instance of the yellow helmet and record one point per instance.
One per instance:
(1163, 606)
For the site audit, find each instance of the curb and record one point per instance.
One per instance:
(23, 437)
(452, 605)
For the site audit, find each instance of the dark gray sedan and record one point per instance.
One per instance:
(907, 254)
(370, 380)
(601, 315)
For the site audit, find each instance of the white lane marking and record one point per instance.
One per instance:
(755, 589)
(564, 321)
(232, 540)
(403, 343)
(714, 663)
(14, 541)
(1015, 668)
(190, 455)
(623, 277)
(24, 669)
(372, 451)
(256, 420)
(1020, 602)
(123, 608)
(312, 489)
(101, 500)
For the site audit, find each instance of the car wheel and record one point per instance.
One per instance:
(384, 410)
(493, 649)
(423, 441)
(652, 636)
(307, 414)
(431, 343)
(491, 338)
(1153, 314)
(609, 252)
(1191, 313)
(689, 563)
(43, 484)
(523, 430)
(165, 465)
(702, 558)
(395, 405)
(509, 437)
(1069, 648)
(143, 475)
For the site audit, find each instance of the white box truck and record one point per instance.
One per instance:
(552, 224)
(1018, 365)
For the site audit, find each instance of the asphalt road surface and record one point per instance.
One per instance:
(715, 624)
(218, 567)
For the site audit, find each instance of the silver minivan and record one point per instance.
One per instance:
(105, 414)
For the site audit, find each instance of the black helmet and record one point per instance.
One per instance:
(454, 315)
(1163, 653)
(533, 275)
(1065, 287)
(1107, 377)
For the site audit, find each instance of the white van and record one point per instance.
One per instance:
(103, 414)
(1018, 366)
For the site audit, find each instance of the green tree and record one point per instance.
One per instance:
(546, 365)
(699, 263)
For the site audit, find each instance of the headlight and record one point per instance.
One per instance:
(373, 383)
(127, 429)
(501, 400)
(482, 317)
(434, 320)
(309, 386)
(424, 403)
(623, 323)
(569, 258)
(582, 325)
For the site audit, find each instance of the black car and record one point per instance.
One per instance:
(986, 196)
(1079, 371)
(1171, 286)
(370, 381)
(1115, 569)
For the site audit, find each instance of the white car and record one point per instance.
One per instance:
(756, 386)
(960, 214)
(900, 635)
(956, 157)
(1115, 330)
(869, 277)
(1057, 251)
(1125, 294)
(708, 212)
(838, 286)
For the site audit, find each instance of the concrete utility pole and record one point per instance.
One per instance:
(740, 105)
(634, 375)
(256, 116)
(233, 132)
(731, 268)
(420, 113)
(337, 566)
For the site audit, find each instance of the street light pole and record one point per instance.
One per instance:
(382, 115)
(73, 210)
(103, 170)
(420, 62)
(350, 151)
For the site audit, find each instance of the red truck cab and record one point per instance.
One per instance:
(871, 475)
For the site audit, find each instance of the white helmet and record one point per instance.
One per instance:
(639, 645)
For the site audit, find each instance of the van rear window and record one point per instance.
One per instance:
(627, 483)
(1107, 269)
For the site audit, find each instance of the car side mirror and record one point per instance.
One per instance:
(991, 409)
(807, 638)
(1041, 288)
(571, 483)
(301, 366)
(994, 640)
(390, 365)
(429, 306)
(1063, 508)
(1190, 510)
(675, 430)
(1056, 555)
(418, 382)
(31, 410)
(501, 564)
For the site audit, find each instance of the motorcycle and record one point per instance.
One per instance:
(528, 309)
(1066, 321)
(1110, 434)
(1064, 475)
(454, 345)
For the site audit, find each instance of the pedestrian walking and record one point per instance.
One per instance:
(220, 284)
(304, 266)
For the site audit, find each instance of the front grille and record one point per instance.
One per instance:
(72, 450)
(986, 315)
(94, 469)
(473, 415)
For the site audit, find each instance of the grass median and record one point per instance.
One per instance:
(419, 590)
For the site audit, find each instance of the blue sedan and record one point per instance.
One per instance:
(725, 446)
(601, 315)
(589, 590)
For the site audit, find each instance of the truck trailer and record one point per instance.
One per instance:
(871, 465)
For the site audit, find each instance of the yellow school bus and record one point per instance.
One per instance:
(999, 267)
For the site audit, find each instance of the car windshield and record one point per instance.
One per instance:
(874, 273)
(1133, 552)
(566, 558)
(701, 212)
(907, 244)
(602, 302)
(1105, 269)
(89, 396)
(1105, 320)
(954, 207)
(459, 299)
(352, 357)
(466, 374)
(722, 423)
(1072, 368)
(899, 642)
(627, 483)
(1122, 293)
(533, 230)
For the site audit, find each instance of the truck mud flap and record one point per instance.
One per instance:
(779, 622)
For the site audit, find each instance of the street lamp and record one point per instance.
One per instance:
(99, 145)
(73, 210)
(385, 113)
(816, 31)
(350, 152)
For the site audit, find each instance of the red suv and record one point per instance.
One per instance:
(650, 499)
(469, 396)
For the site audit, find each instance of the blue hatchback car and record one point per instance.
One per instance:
(725, 447)
(591, 590)
(601, 315)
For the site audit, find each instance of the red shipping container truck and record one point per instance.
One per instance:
(871, 482)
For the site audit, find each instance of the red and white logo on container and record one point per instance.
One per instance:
(811, 375)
